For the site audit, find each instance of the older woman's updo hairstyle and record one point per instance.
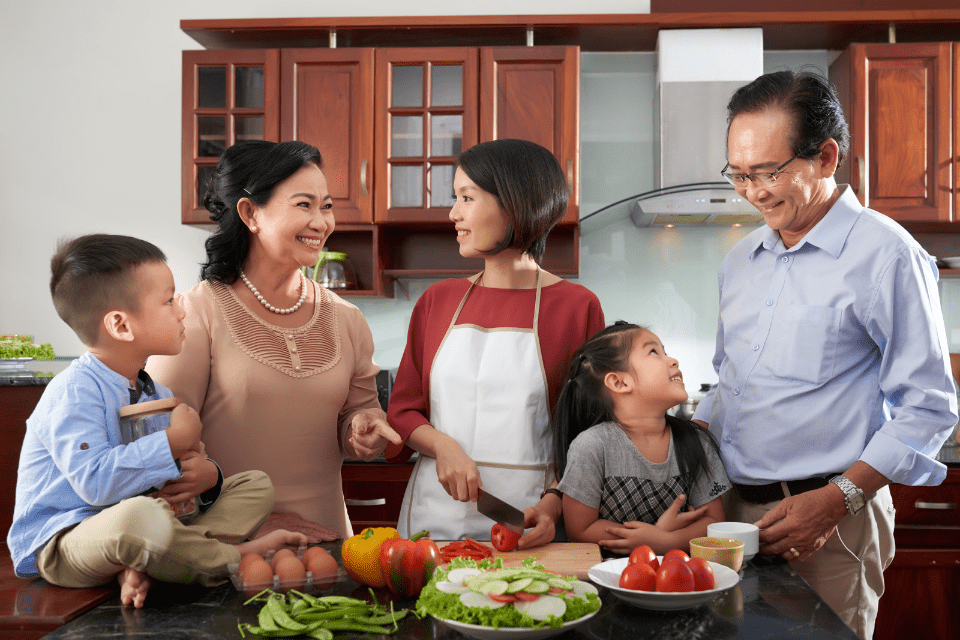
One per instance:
(249, 169)
(529, 185)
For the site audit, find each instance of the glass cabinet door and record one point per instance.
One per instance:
(228, 96)
(427, 105)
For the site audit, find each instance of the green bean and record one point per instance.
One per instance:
(265, 618)
(321, 634)
(281, 617)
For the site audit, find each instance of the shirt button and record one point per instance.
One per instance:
(727, 439)
(785, 259)
(756, 347)
(293, 349)
(290, 337)
(736, 392)
(769, 303)
(297, 368)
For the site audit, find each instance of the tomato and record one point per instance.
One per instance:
(675, 553)
(675, 576)
(502, 538)
(639, 577)
(702, 574)
(523, 595)
(506, 597)
(644, 555)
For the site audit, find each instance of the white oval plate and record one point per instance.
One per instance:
(481, 632)
(607, 574)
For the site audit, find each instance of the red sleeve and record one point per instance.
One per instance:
(409, 405)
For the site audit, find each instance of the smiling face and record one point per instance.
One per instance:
(802, 195)
(297, 220)
(480, 221)
(657, 376)
(158, 322)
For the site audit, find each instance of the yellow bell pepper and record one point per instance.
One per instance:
(361, 555)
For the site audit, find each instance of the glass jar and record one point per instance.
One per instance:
(334, 270)
(139, 420)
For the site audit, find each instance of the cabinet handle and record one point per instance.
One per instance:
(363, 177)
(570, 176)
(376, 502)
(936, 506)
(861, 174)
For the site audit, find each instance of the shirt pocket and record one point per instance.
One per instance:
(805, 342)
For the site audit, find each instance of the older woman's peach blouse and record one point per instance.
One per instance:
(274, 399)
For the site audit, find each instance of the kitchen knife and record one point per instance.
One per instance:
(499, 511)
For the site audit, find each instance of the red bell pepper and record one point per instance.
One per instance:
(409, 564)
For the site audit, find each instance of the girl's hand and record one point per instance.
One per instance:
(543, 528)
(293, 522)
(628, 536)
(197, 474)
(674, 519)
(457, 472)
(370, 435)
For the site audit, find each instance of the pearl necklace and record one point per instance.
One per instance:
(303, 295)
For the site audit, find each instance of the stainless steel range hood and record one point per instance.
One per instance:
(697, 72)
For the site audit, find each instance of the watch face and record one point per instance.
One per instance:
(857, 503)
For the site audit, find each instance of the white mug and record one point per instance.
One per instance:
(749, 533)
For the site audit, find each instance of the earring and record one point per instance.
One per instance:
(253, 228)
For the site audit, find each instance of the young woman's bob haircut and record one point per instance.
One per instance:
(529, 185)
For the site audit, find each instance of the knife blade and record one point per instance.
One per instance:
(500, 511)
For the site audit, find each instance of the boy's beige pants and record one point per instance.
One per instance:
(847, 572)
(143, 533)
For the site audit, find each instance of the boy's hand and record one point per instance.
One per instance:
(184, 431)
(197, 475)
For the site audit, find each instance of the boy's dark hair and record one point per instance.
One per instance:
(809, 98)
(248, 169)
(529, 185)
(92, 274)
(584, 401)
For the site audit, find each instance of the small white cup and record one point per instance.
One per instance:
(749, 533)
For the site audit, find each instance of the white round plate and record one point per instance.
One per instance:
(607, 574)
(481, 632)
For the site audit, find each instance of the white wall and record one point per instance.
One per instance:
(91, 142)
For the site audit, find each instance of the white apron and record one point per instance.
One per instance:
(488, 391)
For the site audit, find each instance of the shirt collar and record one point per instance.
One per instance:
(145, 384)
(830, 234)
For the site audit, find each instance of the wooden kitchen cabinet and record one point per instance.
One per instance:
(228, 96)
(389, 123)
(922, 585)
(373, 492)
(896, 98)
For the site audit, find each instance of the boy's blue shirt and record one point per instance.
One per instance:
(73, 465)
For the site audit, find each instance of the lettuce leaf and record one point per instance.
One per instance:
(447, 606)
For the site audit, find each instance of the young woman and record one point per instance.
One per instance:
(485, 355)
(627, 469)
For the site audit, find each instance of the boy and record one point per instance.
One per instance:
(80, 518)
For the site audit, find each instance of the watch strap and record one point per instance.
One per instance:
(852, 494)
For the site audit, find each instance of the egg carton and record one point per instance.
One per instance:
(311, 584)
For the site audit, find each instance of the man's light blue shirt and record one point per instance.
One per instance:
(73, 465)
(830, 352)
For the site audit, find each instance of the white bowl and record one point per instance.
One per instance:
(745, 531)
(607, 574)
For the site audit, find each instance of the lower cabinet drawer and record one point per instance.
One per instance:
(373, 492)
(928, 516)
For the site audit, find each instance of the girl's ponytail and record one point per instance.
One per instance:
(584, 399)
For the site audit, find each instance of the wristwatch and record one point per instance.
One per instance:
(852, 494)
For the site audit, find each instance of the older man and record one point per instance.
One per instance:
(834, 376)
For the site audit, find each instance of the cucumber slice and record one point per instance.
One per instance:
(495, 588)
(537, 586)
(519, 585)
(559, 583)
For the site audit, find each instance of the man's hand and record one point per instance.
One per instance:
(801, 524)
(197, 474)
(370, 434)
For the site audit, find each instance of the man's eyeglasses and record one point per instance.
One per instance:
(766, 179)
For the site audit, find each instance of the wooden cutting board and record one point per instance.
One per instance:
(566, 558)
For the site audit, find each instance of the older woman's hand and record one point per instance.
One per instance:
(293, 522)
(370, 435)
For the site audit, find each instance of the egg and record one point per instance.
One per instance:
(322, 566)
(291, 573)
(280, 555)
(257, 577)
(247, 560)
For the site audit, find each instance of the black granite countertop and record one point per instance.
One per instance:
(771, 601)
(32, 372)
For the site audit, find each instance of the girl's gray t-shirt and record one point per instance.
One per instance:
(605, 471)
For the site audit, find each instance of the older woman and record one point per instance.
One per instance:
(280, 369)
(485, 355)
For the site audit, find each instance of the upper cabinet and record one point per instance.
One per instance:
(897, 99)
(389, 124)
(228, 96)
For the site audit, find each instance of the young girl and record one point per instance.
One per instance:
(627, 469)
